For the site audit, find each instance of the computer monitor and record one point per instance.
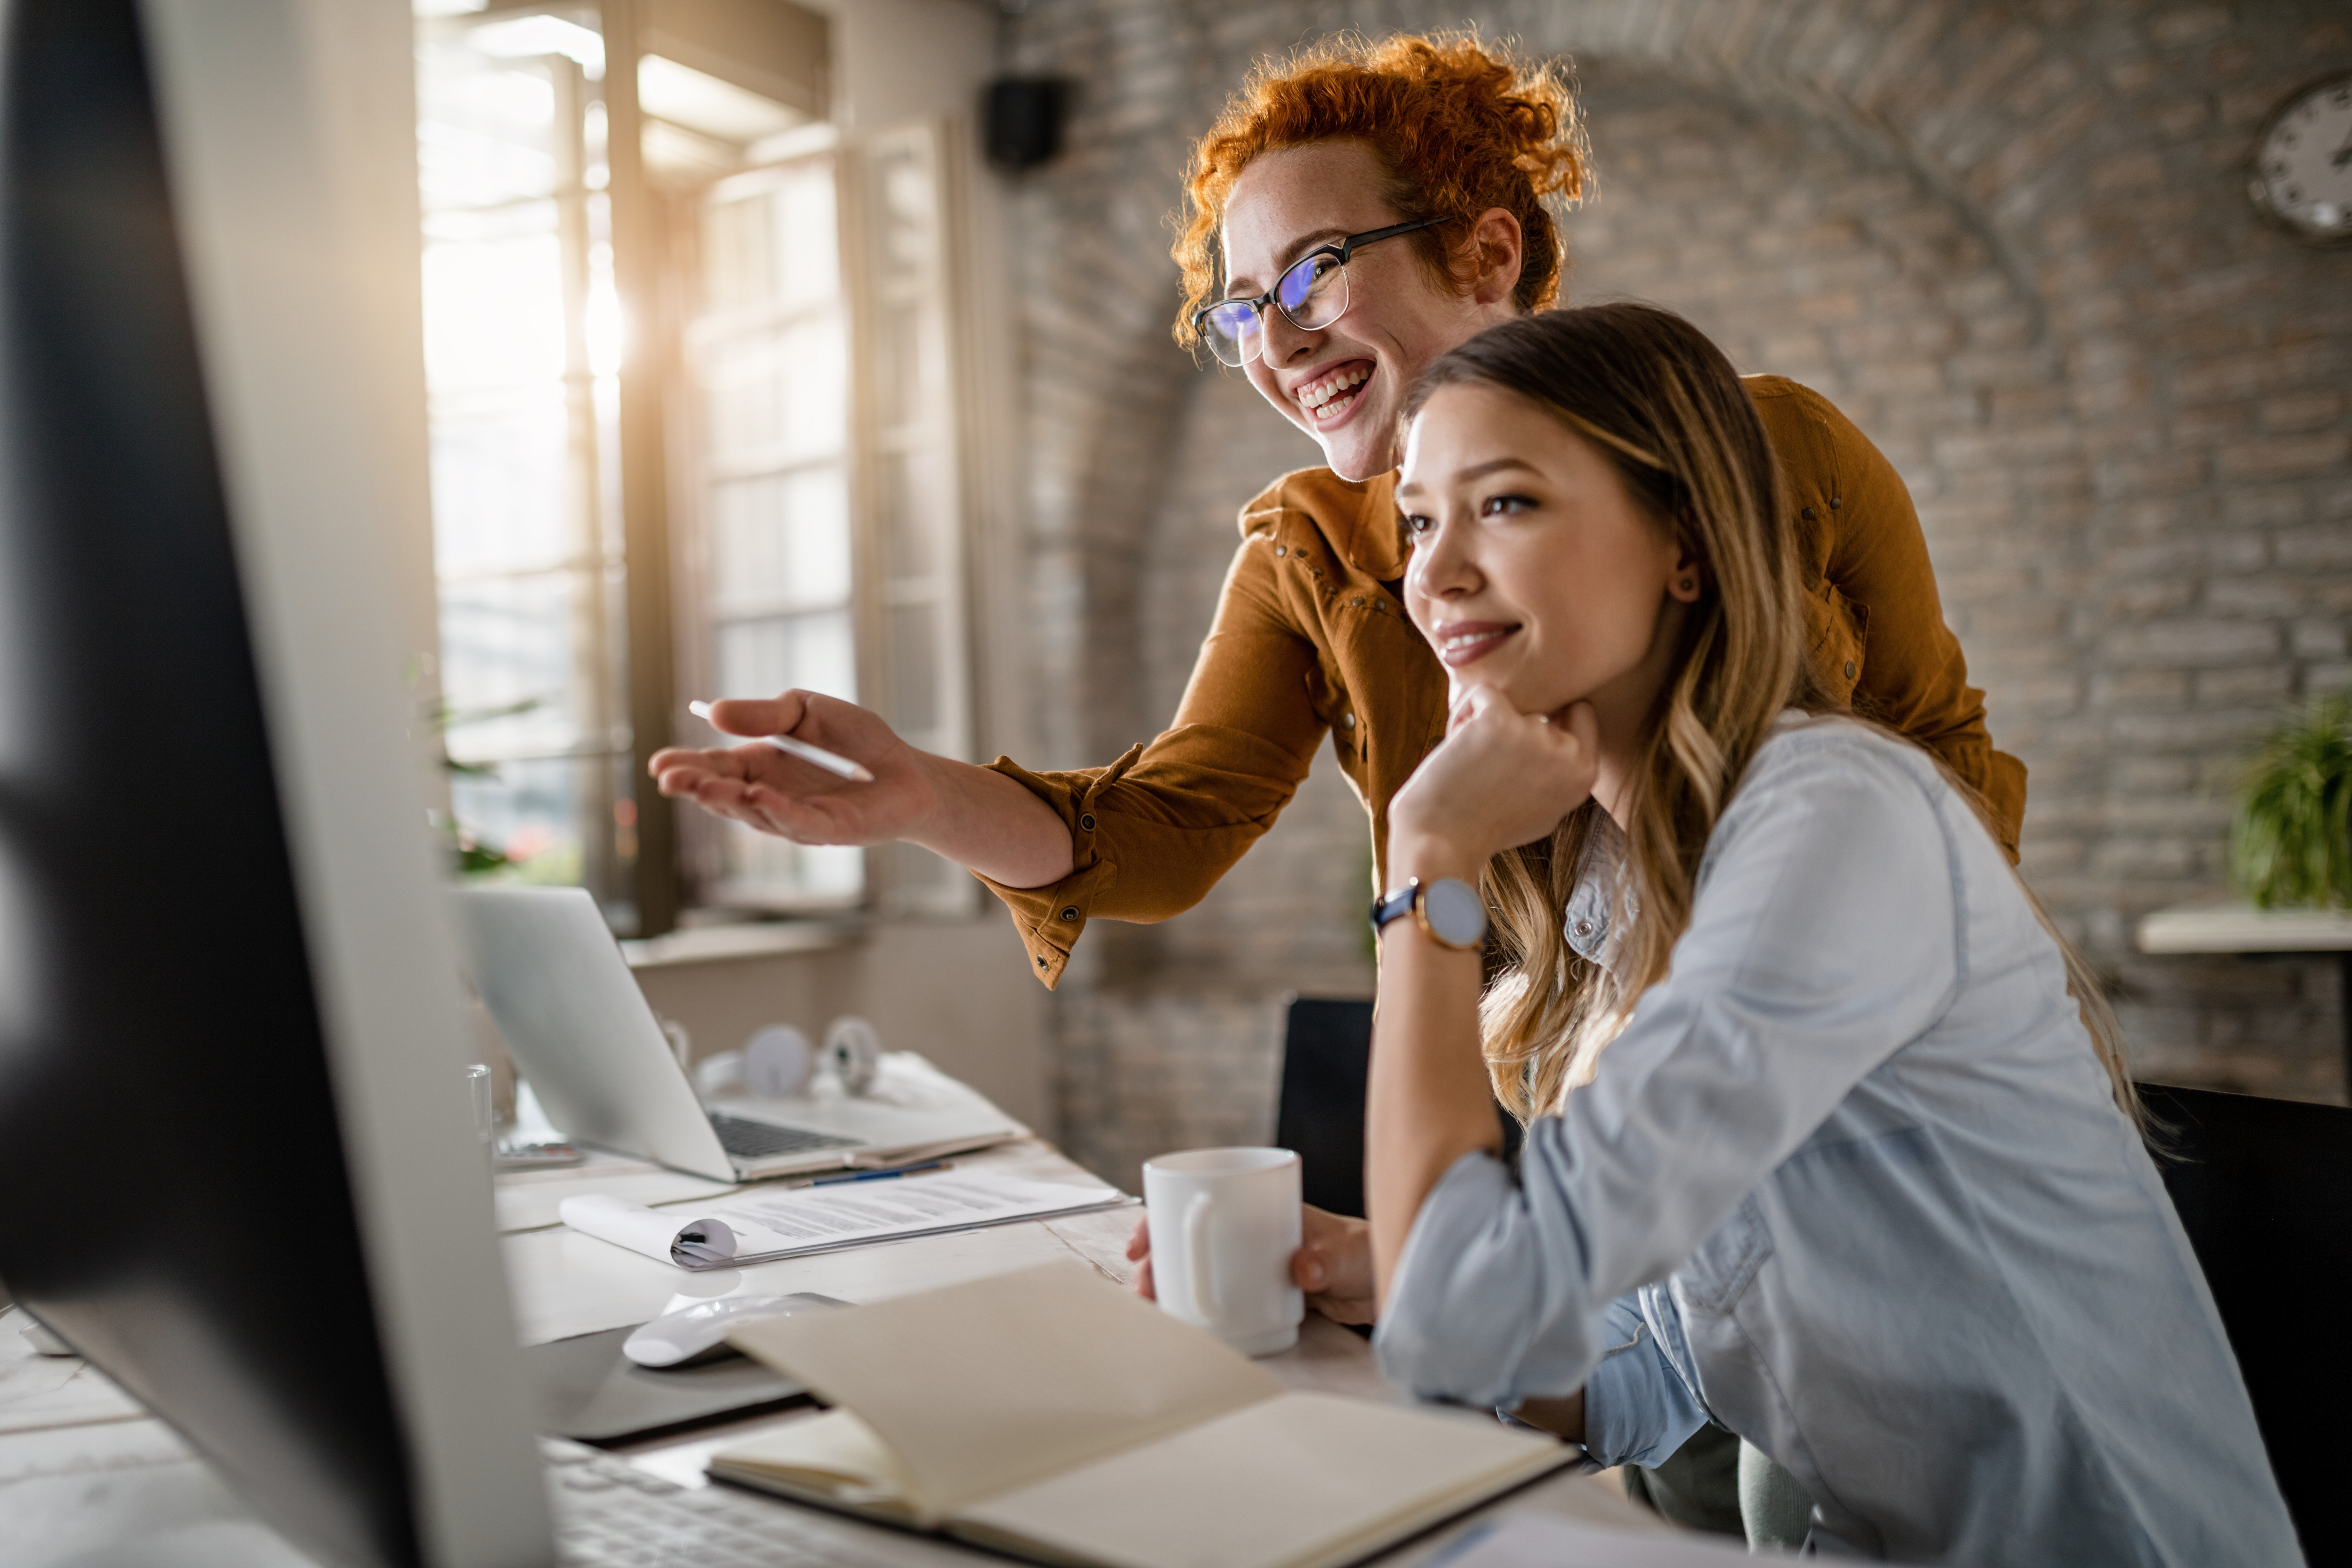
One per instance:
(237, 1169)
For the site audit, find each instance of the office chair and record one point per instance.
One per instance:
(1327, 1052)
(2265, 1189)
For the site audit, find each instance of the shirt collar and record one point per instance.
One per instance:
(1376, 545)
(1592, 928)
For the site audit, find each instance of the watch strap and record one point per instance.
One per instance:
(1395, 905)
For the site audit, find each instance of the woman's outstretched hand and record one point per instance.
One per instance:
(1333, 1264)
(973, 816)
(765, 789)
(1501, 778)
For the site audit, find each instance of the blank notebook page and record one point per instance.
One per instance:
(1302, 1479)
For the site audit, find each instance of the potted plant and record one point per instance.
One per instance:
(2291, 839)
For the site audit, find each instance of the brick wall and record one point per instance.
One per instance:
(2010, 241)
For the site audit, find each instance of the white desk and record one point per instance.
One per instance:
(84, 1471)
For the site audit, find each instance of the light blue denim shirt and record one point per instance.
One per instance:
(1853, 1182)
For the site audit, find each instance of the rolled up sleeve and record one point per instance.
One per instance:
(1637, 1408)
(1151, 834)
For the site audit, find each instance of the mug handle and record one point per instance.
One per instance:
(1196, 1248)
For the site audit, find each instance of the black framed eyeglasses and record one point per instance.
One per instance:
(1311, 295)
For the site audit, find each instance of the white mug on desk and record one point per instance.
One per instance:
(1225, 1222)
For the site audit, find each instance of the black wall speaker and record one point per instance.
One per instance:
(1024, 120)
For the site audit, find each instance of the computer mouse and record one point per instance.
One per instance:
(699, 1334)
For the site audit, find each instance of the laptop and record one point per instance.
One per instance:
(579, 1029)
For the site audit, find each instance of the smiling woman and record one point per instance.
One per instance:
(1857, 1175)
(1457, 144)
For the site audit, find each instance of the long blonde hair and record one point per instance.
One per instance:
(1663, 403)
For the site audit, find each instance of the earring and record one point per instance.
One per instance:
(1688, 584)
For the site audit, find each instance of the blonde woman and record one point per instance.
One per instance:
(1820, 1141)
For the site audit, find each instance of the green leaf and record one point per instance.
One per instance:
(2290, 837)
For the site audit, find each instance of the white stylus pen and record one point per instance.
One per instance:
(831, 762)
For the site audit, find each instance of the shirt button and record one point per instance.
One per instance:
(1347, 720)
(1584, 927)
(1835, 503)
(1356, 603)
(1041, 963)
(1088, 822)
(1278, 550)
(1810, 514)
(1071, 913)
(1849, 669)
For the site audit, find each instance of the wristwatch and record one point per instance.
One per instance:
(1448, 909)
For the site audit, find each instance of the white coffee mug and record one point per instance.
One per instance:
(1225, 1222)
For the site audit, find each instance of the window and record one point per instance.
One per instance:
(775, 572)
(690, 364)
(522, 323)
(828, 529)
(914, 479)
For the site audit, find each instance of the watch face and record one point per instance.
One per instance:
(2303, 164)
(1454, 911)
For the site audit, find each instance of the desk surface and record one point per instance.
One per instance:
(2242, 927)
(84, 1469)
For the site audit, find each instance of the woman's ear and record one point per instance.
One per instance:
(1498, 245)
(1688, 575)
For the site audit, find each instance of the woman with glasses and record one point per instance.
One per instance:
(1358, 211)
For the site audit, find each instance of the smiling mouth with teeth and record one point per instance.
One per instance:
(1327, 399)
(1466, 642)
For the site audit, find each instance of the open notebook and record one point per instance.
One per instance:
(1050, 1413)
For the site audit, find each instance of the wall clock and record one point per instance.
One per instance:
(2302, 174)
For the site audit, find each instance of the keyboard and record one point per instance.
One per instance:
(610, 1514)
(749, 1140)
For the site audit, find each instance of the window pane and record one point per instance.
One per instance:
(500, 466)
(778, 396)
(486, 128)
(805, 265)
(562, 821)
(910, 240)
(761, 869)
(914, 667)
(780, 541)
(520, 326)
(506, 641)
(769, 358)
(775, 251)
(911, 504)
(494, 305)
(815, 653)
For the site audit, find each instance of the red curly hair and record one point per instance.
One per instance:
(1459, 126)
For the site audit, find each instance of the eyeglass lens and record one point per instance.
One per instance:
(1313, 294)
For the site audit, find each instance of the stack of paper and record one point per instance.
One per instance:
(763, 1225)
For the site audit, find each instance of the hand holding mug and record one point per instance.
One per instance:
(1333, 1265)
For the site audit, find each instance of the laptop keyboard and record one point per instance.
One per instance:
(749, 1140)
(609, 1514)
